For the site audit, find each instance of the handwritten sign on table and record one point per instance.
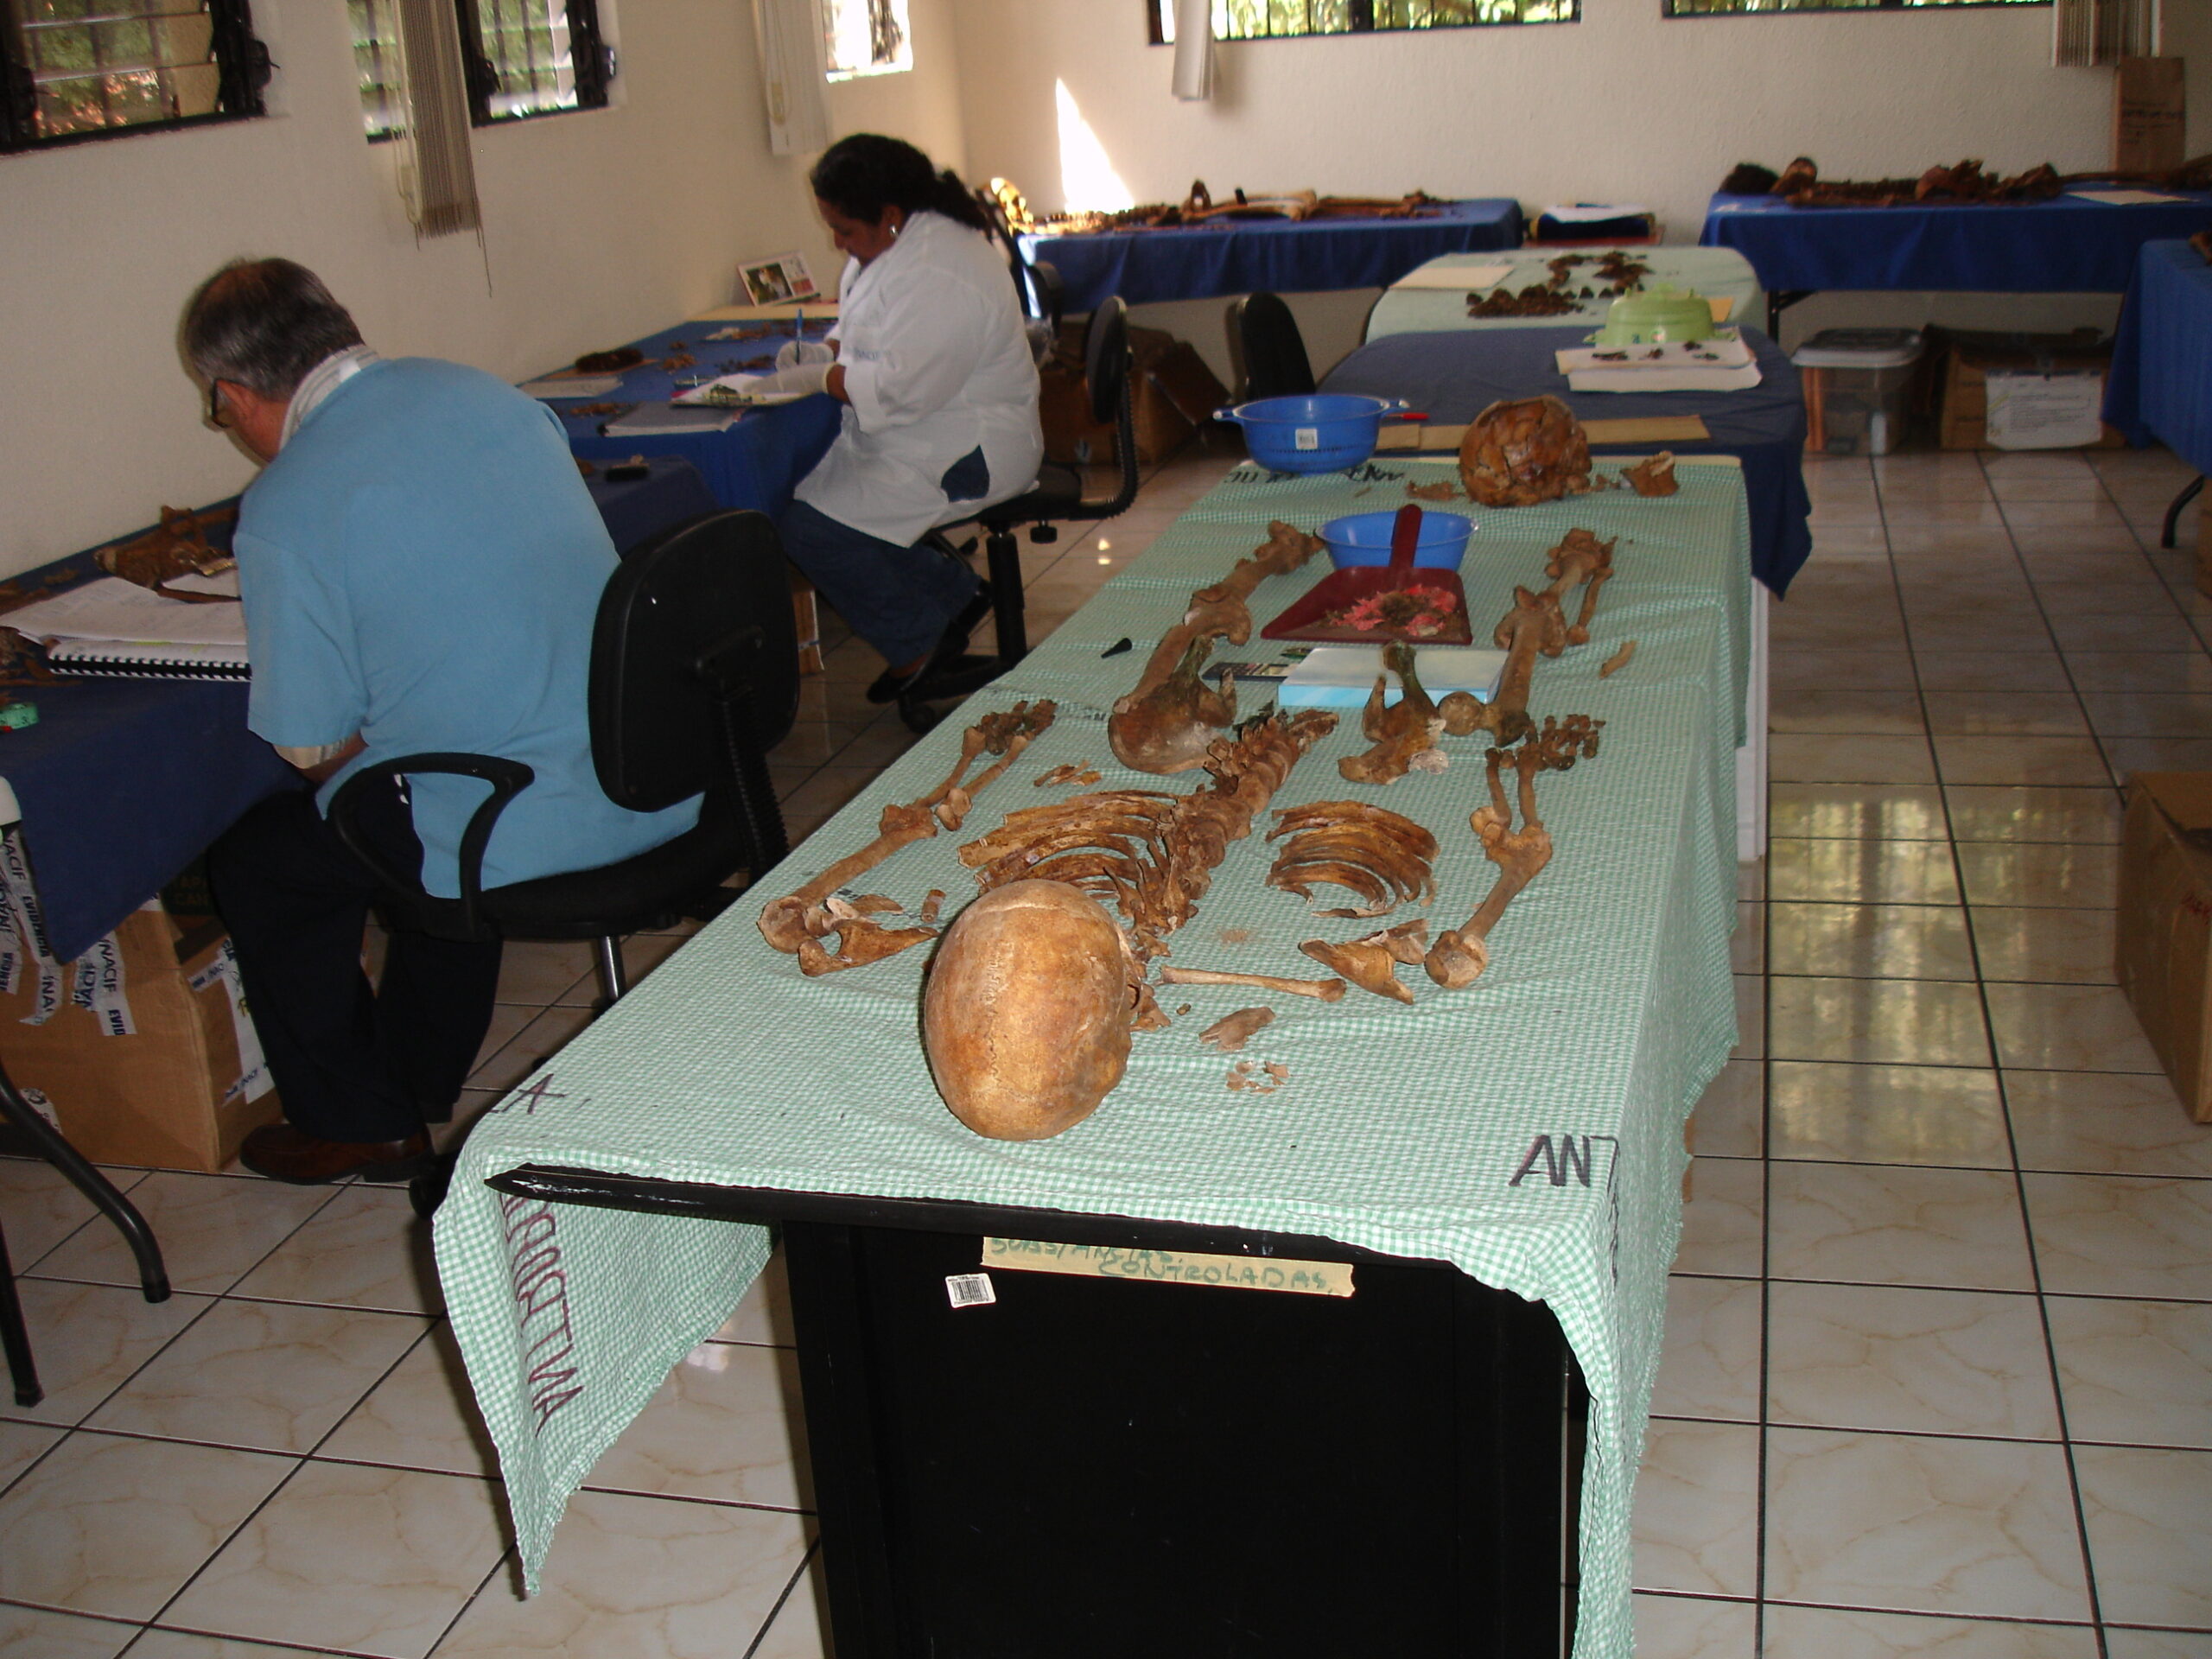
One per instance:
(1170, 1266)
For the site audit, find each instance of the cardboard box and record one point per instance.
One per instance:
(1968, 357)
(181, 1089)
(1171, 388)
(2164, 956)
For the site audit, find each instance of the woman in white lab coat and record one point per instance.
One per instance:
(940, 421)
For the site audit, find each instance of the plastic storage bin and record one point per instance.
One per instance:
(1856, 381)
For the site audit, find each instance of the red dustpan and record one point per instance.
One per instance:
(1370, 604)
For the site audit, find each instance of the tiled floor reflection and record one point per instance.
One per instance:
(1938, 1372)
(1958, 1317)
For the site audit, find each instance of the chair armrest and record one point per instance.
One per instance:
(507, 779)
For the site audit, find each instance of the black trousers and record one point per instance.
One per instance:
(349, 1063)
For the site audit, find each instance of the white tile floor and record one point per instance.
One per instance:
(1938, 1365)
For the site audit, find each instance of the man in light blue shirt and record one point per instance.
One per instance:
(421, 566)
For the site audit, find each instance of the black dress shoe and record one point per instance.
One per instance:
(282, 1154)
(950, 644)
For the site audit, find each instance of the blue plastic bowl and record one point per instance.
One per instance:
(1364, 539)
(1323, 432)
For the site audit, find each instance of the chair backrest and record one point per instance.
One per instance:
(1046, 295)
(1106, 357)
(656, 736)
(1275, 364)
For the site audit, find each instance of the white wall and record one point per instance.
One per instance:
(599, 227)
(1623, 107)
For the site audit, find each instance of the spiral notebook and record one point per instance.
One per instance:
(115, 629)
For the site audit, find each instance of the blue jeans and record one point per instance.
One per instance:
(897, 598)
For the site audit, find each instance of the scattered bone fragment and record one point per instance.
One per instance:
(1579, 558)
(1277, 1069)
(1617, 661)
(1439, 491)
(802, 915)
(1180, 1012)
(1406, 942)
(1655, 476)
(1326, 990)
(1068, 772)
(875, 904)
(1245, 1076)
(1231, 1032)
(932, 902)
(1369, 966)
(1166, 724)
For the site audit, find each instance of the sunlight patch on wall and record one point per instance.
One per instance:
(1087, 176)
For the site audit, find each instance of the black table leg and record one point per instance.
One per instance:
(2189, 493)
(1779, 301)
(15, 1340)
(49, 1143)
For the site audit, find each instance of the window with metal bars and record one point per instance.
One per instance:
(76, 69)
(524, 58)
(1265, 20)
(1745, 8)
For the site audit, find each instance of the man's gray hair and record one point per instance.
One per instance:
(265, 324)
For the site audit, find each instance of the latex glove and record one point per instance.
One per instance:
(794, 353)
(798, 381)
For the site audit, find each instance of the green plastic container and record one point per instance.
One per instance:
(1656, 317)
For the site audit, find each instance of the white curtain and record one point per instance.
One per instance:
(1193, 81)
(437, 170)
(2086, 32)
(794, 70)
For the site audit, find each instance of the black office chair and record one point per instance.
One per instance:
(1058, 495)
(48, 1142)
(1270, 348)
(694, 679)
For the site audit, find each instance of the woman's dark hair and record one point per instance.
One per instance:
(861, 175)
(263, 324)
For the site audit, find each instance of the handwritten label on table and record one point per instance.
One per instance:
(1171, 1266)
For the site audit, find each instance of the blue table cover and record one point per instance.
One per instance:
(1453, 375)
(1248, 256)
(2160, 387)
(121, 782)
(2067, 246)
(755, 463)
(670, 493)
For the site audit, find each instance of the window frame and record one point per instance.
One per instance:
(1156, 31)
(242, 71)
(591, 61)
(1842, 9)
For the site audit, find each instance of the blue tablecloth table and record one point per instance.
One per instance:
(1280, 256)
(1453, 375)
(2160, 387)
(671, 493)
(755, 462)
(2069, 245)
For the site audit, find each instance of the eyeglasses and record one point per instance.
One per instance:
(216, 415)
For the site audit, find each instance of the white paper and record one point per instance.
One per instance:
(2029, 410)
(1612, 378)
(112, 608)
(664, 420)
(224, 584)
(743, 388)
(1454, 277)
(1721, 351)
(2125, 198)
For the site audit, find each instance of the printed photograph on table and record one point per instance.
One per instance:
(778, 281)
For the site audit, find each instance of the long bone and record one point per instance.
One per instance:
(1166, 724)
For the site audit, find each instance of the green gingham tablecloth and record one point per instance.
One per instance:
(1529, 1128)
(1716, 273)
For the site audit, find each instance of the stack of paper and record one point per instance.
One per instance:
(1722, 363)
(116, 628)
